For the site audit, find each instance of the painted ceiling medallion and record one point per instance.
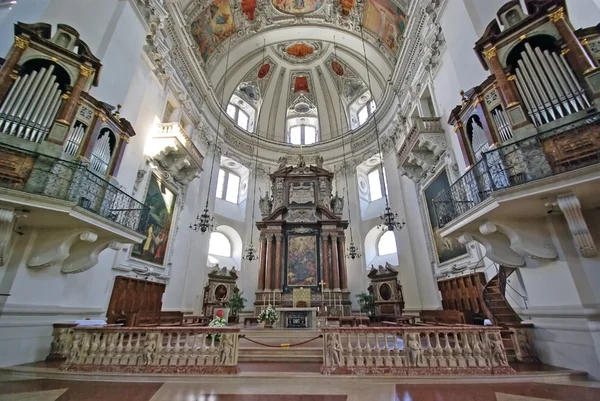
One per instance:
(300, 50)
(347, 6)
(301, 84)
(298, 6)
(213, 25)
(337, 68)
(264, 71)
(249, 8)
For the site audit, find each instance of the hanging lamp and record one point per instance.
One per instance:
(205, 222)
(389, 220)
(353, 251)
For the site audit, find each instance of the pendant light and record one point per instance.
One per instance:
(389, 220)
(353, 251)
(205, 222)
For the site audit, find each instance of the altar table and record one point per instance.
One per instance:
(297, 318)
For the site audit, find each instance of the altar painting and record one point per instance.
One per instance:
(214, 25)
(161, 202)
(447, 248)
(385, 19)
(297, 6)
(302, 263)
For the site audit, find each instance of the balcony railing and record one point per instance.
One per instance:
(554, 152)
(38, 174)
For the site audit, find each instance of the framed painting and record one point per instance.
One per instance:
(161, 201)
(302, 261)
(298, 6)
(386, 20)
(448, 248)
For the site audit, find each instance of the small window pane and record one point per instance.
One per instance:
(219, 245)
(375, 185)
(296, 135)
(310, 135)
(231, 110)
(363, 115)
(220, 184)
(373, 106)
(233, 186)
(242, 120)
(387, 243)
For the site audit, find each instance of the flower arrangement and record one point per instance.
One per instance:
(217, 322)
(268, 315)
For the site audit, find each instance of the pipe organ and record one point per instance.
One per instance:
(536, 78)
(44, 99)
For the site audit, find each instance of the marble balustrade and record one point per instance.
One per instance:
(414, 351)
(204, 350)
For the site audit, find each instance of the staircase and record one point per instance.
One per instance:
(500, 311)
(279, 349)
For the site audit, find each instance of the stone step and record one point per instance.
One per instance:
(267, 354)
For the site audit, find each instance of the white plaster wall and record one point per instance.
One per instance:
(24, 11)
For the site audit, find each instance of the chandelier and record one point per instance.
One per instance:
(250, 252)
(389, 220)
(204, 221)
(353, 251)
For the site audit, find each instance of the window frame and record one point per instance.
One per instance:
(383, 188)
(379, 241)
(226, 175)
(216, 255)
(302, 134)
(236, 116)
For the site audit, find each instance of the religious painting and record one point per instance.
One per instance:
(298, 6)
(301, 194)
(300, 50)
(447, 248)
(302, 263)
(214, 25)
(161, 202)
(385, 19)
(249, 8)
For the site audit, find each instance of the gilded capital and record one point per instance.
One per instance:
(490, 53)
(85, 70)
(21, 43)
(557, 15)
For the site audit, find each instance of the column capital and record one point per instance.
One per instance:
(21, 43)
(490, 53)
(85, 71)
(557, 15)
(278, 237)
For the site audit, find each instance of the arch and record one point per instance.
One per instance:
(67, 76)
(234, 240)
(386, 244)
(219, 245)
(103, 150)
(544, 40)
(371, 249)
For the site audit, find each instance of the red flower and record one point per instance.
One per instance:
(219, 313)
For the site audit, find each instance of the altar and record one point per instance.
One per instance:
(297, 318)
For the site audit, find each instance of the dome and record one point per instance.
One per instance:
(294, 71)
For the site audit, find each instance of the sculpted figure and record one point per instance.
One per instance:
(282, 161)
(498, 354)
(335, 350)
(149, 349)
(226, 349)
(301, 162)
(415, 350)
(74, 351)
(337, 204)
(319, 160)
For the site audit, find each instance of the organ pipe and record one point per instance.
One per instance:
(38, 103)
(534, 113)
(569, 95)
(538, 71)
(101, 154)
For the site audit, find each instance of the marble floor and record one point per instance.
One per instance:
(33, 383)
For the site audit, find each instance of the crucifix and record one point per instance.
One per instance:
(322, 284)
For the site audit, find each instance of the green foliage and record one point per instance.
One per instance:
(366, 302)
(237, 303)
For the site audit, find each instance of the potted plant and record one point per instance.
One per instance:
(218, 321)
(268, 316)
(237, 303)
(366, 302)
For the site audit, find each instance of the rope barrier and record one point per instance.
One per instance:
(280, 345)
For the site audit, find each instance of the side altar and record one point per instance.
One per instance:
(302, 242)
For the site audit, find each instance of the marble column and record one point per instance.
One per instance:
(67, 113)
(326, 272)
(342, 254)
(6, 71)
(335, 263)
(262, 263)
(509, 95)
(269, 265)
(580, 60)
(278, 239)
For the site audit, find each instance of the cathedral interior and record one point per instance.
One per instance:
(223, 200)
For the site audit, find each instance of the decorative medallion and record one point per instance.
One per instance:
(347, 6)
(249, 8)
(264, 71)
(337, 68)
(301, 84)
(298, 6)
(300, 50)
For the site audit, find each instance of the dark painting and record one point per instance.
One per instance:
(302, 265)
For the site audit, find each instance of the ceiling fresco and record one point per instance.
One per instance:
(386, 20)
(298, 6)
(214, 25)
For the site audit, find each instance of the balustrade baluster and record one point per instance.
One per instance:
(368, 352)
(439, 351)
(397, 352)
(137, 350)
(359, 356)
(119, 348)
(349, 352)
(451, 361)
(468, 352)
(177, 349)
(431, 361)
(458, 351)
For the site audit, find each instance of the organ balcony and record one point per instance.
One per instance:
(60, 149)
(530, 134)
(422, 148)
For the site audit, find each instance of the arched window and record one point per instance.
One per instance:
(365, 112)
(376, 185)
(219, 245)
(228, 186)
(303, 135)
(241, 118)
(387, 244)
(102, 151)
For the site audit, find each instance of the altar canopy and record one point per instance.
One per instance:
(302, 239)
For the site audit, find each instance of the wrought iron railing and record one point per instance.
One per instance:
(39, 174)
(550, 153)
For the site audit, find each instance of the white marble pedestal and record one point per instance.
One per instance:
(296, 318)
